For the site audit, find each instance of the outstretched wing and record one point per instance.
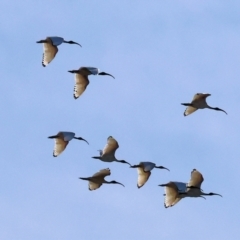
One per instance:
(171, 195)
(142, 176)
(197, 99)
(59, 146)
(196, 179)
(93, 185)
(200, 96)
(102, 173)
(189, 110)
(49, 52)
(111, 146)
(81, 83)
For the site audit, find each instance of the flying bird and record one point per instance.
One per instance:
(144, 171)
(198, 102)
(61, 141)
(175, 191)
(50, 48)
(108, 153)
(81, 79)
(97, 179)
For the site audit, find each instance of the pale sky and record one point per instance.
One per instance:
(161, 53)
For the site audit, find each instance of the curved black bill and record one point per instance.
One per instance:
(219, 109)
(161, 167)
(79, 138)
(104, 73)
(119, 183)
(72, 42)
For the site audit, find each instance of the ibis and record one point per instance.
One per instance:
(97, 179)
(175, 191)
(81, 79)
(108, 153)
(50, 48)
(199, 102)
(144, 171)
(61, 141)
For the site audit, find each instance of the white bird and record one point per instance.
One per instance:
(97, 179)
(144, 171)
(81, 79)
(198, 102)
(50, 48)
(108, 153)
(61, 141)
(175, 191)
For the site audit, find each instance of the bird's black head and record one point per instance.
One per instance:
(123, 161)
(79, 138)
(115, 182)
(211, 194)
(72, 42)
(161, 167)
(104, 73)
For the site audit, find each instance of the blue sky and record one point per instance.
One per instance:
(161, 53)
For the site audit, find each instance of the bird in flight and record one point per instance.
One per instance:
(81, 79)
(61, 141)
(175, 191)
(50, 48)
(144, 171)
(108, 153)
(199, 102)
(98, 179)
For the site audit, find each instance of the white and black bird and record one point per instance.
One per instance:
(61, 141)
(97, 179)
(175, 191)
(144, 171)
(198, 102)
(108, 153)
(50, 48)
(81, 79)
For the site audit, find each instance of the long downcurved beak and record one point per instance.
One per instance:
(79, 138)
(104, 73)
(72, 42)
(219, 109)
(119, 183)
(217, 194)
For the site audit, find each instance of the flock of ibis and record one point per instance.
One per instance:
(174, 191)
